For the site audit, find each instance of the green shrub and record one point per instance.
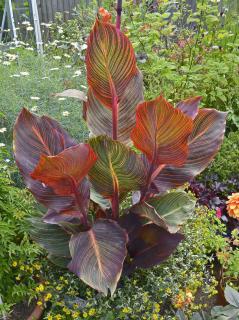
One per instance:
(225, 164)
(16, 249)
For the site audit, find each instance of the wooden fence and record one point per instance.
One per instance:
(47, 9)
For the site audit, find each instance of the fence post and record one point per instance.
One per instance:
(12, 21)
(37, 26)
(3, 20)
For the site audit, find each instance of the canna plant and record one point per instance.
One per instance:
(138, 149)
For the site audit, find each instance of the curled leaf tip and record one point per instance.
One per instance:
(104, 15)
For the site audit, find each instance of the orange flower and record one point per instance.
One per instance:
(183, 299)
(104, 15)
(233, 205)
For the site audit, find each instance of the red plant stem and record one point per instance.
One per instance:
(79, 205)
(118, 10)
(115, 206)
(152, 174)
(148, 182)
(37, 313)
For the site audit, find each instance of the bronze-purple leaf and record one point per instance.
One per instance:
(190, 106)
(34, 136)
(98, 255)
(152, 246)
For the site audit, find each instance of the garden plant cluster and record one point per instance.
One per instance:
(119, 173)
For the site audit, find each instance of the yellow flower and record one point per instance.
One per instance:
(75, 315)
(66, 310)
(233, 205)
(156, 307)
(58, 317)
(18, 278)
(85, 315)
(39, 303)
(14, 264)
(49, 317)
(22, 268)
(92, 312)
(126, 310)
(40, 288)
(168, 291)
(37, 266)
(88, 293)
(155, 316)
(48, 296)
(59, 288)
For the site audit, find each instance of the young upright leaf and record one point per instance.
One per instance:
(110, 63)
(204, 142)
(117, 170)
(64, 172)
(162, 132)
(98, 255)
(99, 118)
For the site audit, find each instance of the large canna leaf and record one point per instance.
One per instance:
(117, 170)
(35, 136)
(145, 211)
(152, 245)
(99, 118)
(53, 217)
(98, 255)
(175, 208)
(77, 212)
(204, 142)
(110, 63)
(50, 237)
(162, 132)
(64, 172)
(169, 211)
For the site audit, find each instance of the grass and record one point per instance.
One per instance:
(42, 77)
